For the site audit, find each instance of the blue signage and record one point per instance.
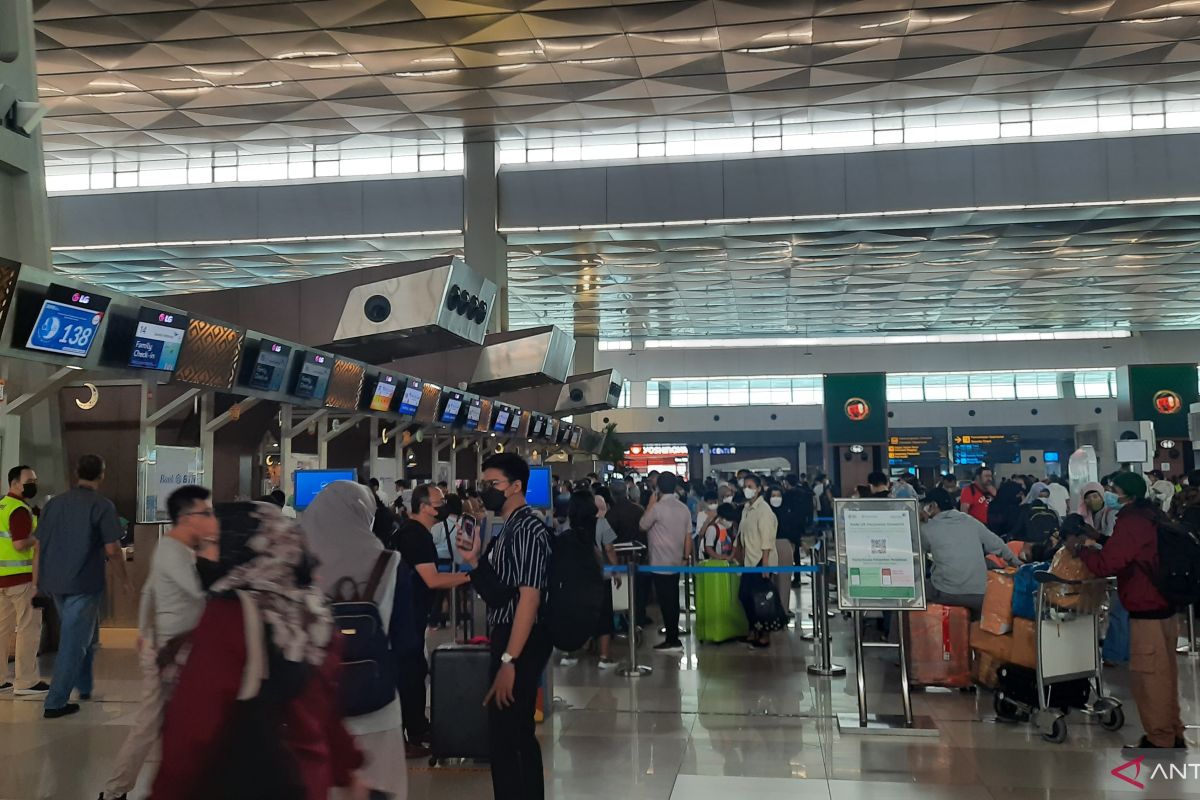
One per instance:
(67, 322)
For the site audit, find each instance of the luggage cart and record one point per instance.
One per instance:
(1068, 649)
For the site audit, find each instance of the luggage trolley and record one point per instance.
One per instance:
(1068, 650)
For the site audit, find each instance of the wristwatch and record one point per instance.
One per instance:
(506, 658)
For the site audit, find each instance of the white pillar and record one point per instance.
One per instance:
(484, 247)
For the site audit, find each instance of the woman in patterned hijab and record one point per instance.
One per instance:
(255, 715)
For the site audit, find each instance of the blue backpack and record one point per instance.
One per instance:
(368, 679)
(1025, 589)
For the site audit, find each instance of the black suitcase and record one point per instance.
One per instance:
(459, 680)
(1016, 684)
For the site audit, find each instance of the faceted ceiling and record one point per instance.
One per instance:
(161, 79)
(1097, 268)
(158, 79)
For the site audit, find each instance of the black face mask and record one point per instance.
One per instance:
(493, 500)
(29, 490)
(443, 513)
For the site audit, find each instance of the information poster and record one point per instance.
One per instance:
(880, 561)
(165, 469)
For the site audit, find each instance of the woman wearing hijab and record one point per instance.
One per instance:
(1095, 511)
(337, 526)
(1162, 492)
(255, 714)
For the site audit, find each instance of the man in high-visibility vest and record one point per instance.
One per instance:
(17, 587)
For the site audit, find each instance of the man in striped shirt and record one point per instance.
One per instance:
(511, 578)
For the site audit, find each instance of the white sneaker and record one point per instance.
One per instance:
(606, 663)
(39, 689)
(568, 661)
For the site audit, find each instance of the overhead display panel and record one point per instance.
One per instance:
(269, 366)
(384, 393)
(312, 376)
(410, 400)
(916, 450)
(978, 449)
(158, 339)
(68, 321)
(473, 412)
(452, 406)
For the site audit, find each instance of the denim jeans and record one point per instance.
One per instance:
(79, 634)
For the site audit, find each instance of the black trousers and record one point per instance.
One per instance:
(414, 669)
(516, 759)
(666, 589)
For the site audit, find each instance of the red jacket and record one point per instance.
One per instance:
(203, 703)
(1131, 554)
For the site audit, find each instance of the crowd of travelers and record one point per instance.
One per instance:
(242, 648)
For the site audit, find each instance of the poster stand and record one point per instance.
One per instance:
(880, 567)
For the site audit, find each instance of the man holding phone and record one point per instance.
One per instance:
(414, 541)
(511, 578)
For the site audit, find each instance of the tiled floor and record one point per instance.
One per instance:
(717, 722)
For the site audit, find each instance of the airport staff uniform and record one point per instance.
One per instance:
(18, 522)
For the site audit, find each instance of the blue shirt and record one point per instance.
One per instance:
(72, 532)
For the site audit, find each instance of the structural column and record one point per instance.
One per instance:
(485, 247)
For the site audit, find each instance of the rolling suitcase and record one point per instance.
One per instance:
(939, 650)
(719, 614)
(459, 722)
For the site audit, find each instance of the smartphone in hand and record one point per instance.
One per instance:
(468, 529)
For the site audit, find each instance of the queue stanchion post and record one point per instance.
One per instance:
(454, 604)
(688, 607)
(632, 669)
(822, 645)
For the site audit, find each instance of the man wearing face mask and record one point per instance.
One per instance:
(414, 541)
(18, 519)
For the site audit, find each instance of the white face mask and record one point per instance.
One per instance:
(750, 492)
(712, 506)
(776, 502)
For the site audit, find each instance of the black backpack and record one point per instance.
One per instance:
(1041, 524)
(576, 588)
(368, 679)
(1178, 576)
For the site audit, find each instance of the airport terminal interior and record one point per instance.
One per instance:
(868, 278)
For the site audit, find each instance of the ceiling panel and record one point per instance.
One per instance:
(148, 79)
(1069, 269)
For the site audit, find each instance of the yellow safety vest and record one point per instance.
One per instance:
(12, 560)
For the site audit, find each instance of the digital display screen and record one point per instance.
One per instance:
(576, 435)
(411, 398)
(514, 421)
(473, 414)
(538, 425)
(1050, 456)
(269, 366)
(68, 321)
(385, 390)
(312, 381)
(158, 339)
(537, 493)
(453, 406)
(1133, 451)
(308, 483)
(977, 449)
(918, 450)
(501, 423)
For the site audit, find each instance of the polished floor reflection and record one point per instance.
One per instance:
(715, 722)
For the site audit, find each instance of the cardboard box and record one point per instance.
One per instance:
(998, 647)
(984, 669)
(1024, 643)
(997, 603)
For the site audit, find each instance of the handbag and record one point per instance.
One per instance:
(766, 607)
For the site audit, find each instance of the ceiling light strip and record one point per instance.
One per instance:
(847, 215)
(335, 237)
(861, 341)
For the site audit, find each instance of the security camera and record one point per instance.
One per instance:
(24, 117)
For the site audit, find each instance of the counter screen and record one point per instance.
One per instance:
(453, 406)
(68, 321)
(411, 398)
(313, 379)
(473, 414)
(385, 390)
(158, 339)
(501, 423)
(269, 366)
(514, 421)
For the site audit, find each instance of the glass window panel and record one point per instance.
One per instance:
(652, 399)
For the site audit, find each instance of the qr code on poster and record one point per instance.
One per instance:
(879, 547)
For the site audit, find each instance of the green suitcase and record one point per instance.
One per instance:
(719, 615)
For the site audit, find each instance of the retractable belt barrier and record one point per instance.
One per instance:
(623, 568)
